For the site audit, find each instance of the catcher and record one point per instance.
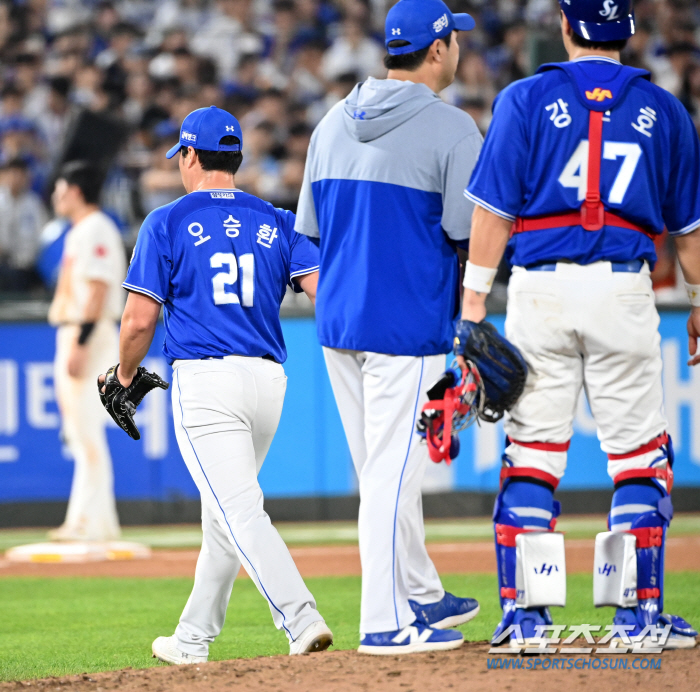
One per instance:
(583, 166)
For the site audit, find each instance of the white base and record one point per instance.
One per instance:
(77, 552)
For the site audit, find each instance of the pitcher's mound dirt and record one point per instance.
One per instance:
(346, 671)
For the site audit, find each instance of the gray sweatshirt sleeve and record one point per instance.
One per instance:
(459, 164)
(306, 221)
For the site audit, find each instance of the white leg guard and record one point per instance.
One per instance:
(540, 575)
(615, 570)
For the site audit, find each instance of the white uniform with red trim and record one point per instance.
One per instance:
(93, 251)
(590, 161)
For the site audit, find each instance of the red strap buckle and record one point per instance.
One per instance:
(508, 593)
(505, 534)
(649, 537)
(592, 215)
(643, 594)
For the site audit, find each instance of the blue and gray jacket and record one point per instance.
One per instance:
(383, 190)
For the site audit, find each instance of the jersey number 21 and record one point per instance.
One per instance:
(227, 278)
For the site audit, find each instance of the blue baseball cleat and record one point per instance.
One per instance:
(413, 639)
(529, 621)
(681, 636)
(450, 611)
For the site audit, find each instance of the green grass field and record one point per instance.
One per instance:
(337, 532)
(66, 626)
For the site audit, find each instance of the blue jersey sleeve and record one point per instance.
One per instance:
(681, 208)
(304, 254)
(151, 263)
(497, 181)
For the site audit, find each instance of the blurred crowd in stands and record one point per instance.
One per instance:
(278, 65)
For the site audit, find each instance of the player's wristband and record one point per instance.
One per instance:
(85, 331)
(693, 294)
(479, 279)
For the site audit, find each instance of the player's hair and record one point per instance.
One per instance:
(86, 176)
(409, 61)
(597, 45)
(226, 161)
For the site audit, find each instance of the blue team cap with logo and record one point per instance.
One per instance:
(600, 20)
(420, 22)
(204, 128)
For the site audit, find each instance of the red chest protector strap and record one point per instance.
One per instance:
(592, 215)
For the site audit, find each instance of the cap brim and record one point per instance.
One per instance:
(173, 151)
(464, 22)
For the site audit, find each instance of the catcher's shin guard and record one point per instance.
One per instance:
(629, 560)
(529, 555)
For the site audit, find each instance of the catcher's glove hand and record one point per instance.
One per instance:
(501, 366)
(121, 402)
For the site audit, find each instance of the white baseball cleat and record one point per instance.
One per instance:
(316, 637)
(164, 649)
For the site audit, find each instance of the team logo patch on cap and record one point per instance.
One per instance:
(610, 11)
(189, 137)
(599, 94)
(440, 24)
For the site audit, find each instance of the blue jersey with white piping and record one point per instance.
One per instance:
(219, 261)
(535, 161)
(383, 192)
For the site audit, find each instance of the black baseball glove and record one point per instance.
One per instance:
(501, 366)
(121, 402)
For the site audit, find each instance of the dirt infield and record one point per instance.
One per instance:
(683, 553)
(346, 671)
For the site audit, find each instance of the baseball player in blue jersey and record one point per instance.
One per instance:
(383, 193)
(583, 166)
(218, 261)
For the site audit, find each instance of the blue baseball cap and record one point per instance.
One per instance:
(600, 20)
(204, 128)
(420, 22)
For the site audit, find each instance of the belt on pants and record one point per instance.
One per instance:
(632, 267)
(267, 356)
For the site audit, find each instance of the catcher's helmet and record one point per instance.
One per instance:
(600, 20)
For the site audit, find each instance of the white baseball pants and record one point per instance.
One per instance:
(379, 398)
(585, 326)
(92, 509)
(226, 413)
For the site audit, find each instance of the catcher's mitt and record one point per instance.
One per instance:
(121, 402)
(501, 366)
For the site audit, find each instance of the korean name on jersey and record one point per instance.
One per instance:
(649, 170)
(219, 261)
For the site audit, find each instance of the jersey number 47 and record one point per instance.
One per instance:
(575, 173)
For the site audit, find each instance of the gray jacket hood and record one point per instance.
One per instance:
(377, 106)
